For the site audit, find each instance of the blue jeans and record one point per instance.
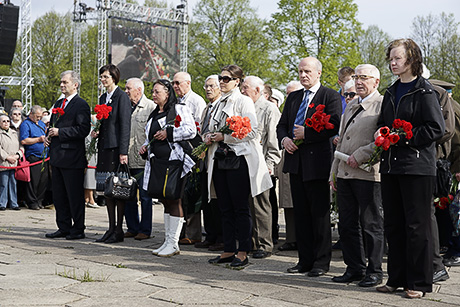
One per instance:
(8, 193)
(131, 209)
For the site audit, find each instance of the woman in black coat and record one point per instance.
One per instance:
(408, 171)
(113, 143)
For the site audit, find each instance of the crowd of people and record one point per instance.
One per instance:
(315, 141)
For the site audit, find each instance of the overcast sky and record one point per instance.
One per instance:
(392, 16)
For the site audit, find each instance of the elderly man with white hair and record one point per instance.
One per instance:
(141, 107)
(358, 191)
(267, 119)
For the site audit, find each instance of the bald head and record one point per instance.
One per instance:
(182, 83)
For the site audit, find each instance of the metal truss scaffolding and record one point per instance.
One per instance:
(26, 55)
(119, 8)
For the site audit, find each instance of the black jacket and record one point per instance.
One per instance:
(115, 130)
(420, 107)
(315, 154)
(68, 149)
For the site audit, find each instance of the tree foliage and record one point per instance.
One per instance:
(227, 32)
(372, 46)
(438, 37)
(325, 29)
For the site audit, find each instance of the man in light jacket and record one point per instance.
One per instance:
(141, 107)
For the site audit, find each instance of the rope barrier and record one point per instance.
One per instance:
(33, 164)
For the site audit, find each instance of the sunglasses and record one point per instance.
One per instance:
(16, 113)
(226, 79)
(177, 82)
(349, 94)
(361, 77)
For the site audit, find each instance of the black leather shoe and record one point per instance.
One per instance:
(77, 236)
(218, 259)
(288, 247)
(315, 272)
(370, 281)
(440, 275)
(348, 277)
(57, 234)
(115, 238)
(236, 263)
(259, 254)
(297, 269)
(452, 261)
(106, 235)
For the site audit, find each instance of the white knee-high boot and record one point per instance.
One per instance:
(172, 247)
(166, 222)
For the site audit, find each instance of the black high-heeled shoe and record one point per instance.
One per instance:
(106, 235)
(115, 238)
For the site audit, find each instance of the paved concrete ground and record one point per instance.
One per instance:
(35, 271)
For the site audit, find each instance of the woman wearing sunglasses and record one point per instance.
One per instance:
(236, 168)
(164, 143)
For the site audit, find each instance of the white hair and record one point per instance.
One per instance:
(255, 82)
(186, 75)
(137, 83)
(74, 76)
(372, 70)
(349, 84)
(213, 77)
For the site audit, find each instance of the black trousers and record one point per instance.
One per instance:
(233, 189)
(361, 225)
(69, 200)
(407, 201)
(36, 188)
(211, 213)
(311, 202)
(275, 213)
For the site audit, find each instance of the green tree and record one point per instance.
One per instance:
(424, 30)
(228, 32)
(372, 46)
(88, 69)
(52, 54)
(325, 29)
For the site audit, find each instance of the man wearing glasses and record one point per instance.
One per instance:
(182, 86)
(358, 191)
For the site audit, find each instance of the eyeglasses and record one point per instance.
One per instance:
(6, 121)
(16, 114)
(210, 86)
(105, 77)
(361, 77)
(349, 94)
(226, 79)
(177, 82)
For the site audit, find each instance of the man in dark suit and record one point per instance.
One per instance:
(68, 160)
(309, 164)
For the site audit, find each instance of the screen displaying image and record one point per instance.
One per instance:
(144, 50)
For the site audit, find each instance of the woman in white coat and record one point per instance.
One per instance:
(236, 168)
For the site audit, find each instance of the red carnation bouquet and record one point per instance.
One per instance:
(318, 121)
(444, 202)
(390, 137)
(102, 112)
(237, 126)
(59, 112)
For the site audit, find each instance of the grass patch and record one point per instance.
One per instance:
(119, 265)
(85, 277)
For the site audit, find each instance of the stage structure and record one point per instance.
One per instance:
(25, 81)
(156, 59)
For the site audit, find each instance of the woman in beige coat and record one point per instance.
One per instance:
(9, 155)
(248, 174)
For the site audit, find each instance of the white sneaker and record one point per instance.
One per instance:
(92, 205)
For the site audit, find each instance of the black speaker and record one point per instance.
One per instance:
(9, 16)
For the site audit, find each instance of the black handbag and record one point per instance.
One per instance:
(121, 185)
(443, 176)
(165, 178)
(226, 158)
